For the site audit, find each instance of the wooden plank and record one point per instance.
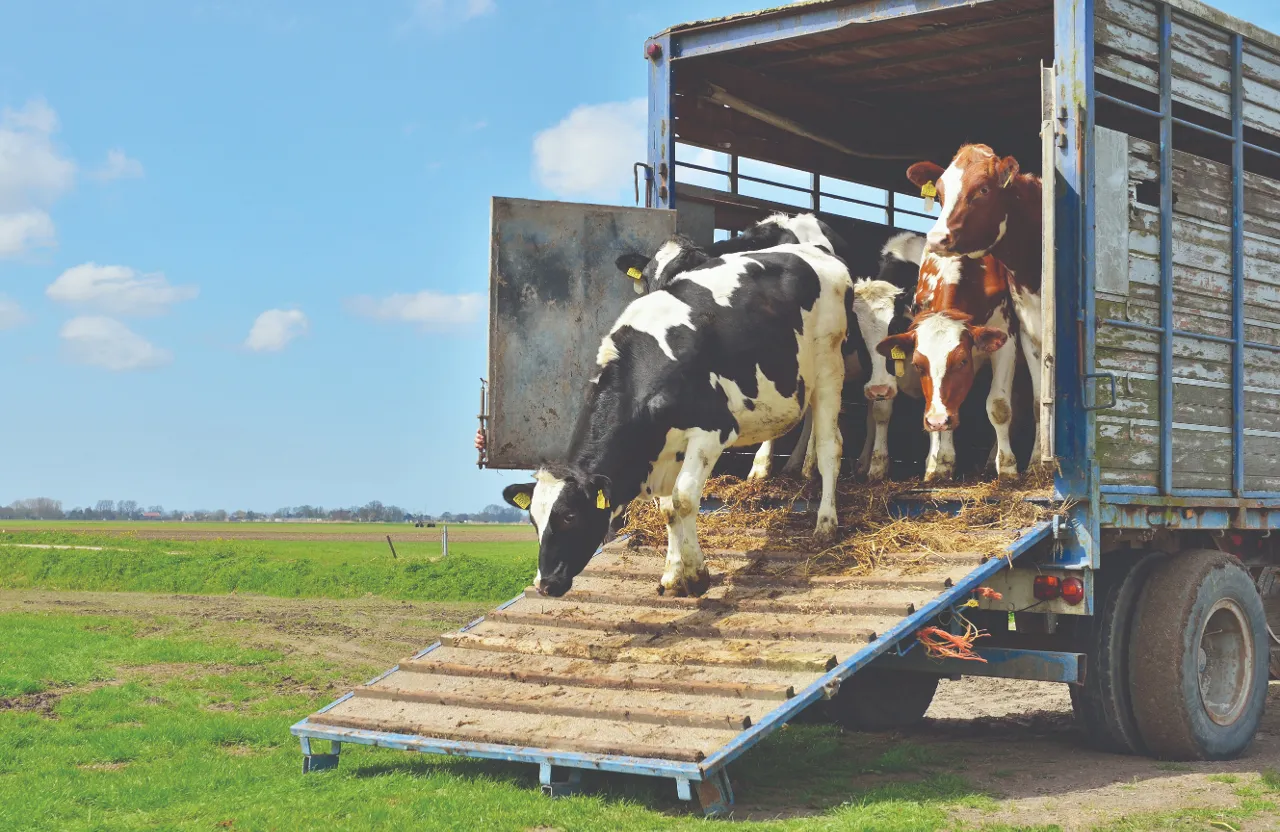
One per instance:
(507, 736)
(742, 690)
(657, 716)
(680, 650)
(1128, 50)
(640, 674)
(703, 624)
(801, 600)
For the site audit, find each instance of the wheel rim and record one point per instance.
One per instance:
(1226, 662)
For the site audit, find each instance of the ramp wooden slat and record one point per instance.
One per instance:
(567, 700)
(666, 687)
(577, 644)
(698, 623)
(614, 668)
(752, 682)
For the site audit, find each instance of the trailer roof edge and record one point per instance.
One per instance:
(1195, 8)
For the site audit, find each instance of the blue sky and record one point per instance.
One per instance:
(244, 245)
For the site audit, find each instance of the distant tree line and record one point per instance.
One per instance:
(45, 508)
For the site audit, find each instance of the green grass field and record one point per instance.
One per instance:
(113, 724)
(474, 570)
(256, 528)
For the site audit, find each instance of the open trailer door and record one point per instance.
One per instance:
(554, 292)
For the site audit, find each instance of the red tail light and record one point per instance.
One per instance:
(1073, 591)
(1047, 587)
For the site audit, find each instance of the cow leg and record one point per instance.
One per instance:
(686, 573)
(1036, 368)
(874, 463)
(801, 458)
(762, 465)
(942, 456)
(827, 440)
(1004, 362)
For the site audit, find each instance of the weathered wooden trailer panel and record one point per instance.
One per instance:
(1188, 252)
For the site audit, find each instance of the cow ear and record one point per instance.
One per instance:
(988, 338)
(520, 496)
(905, 343)
(922, 173)
(1006, 170)
(603, 488)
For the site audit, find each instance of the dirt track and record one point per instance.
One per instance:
(1014, 740)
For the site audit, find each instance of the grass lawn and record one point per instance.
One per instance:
(474, 570)
(264, 529)
(108, 727)
(121, 724)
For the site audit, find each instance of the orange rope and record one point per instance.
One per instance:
(940, 644)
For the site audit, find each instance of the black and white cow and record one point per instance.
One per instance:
(733, 353)
(883, 307)
(776, 229)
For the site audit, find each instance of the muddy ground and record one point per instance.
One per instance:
(1011, 739)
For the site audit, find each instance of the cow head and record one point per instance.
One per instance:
(976, 200)
(570, 511)
(875, 305)
(677, 255)
(940, 345)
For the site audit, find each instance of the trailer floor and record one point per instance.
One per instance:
(614, 677)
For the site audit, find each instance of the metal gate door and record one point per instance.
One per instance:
(554, 292)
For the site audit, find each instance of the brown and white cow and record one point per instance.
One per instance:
(989, 207)
(966, 319)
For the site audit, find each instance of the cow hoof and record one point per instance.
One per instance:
(825, 534)
(694, 587)
(758, 474)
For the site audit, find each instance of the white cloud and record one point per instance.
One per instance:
(275, 328)
(11, 314)
(429, 310)
(24, 230)
(437, 15)
(109, 344)
(119, 166)
(33, 175)
(591, 152)
(118, 290)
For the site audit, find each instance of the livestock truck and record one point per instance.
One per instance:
(1151, 590)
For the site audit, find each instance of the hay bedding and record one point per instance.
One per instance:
(761, 516)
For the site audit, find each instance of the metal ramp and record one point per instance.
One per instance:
(614, 677)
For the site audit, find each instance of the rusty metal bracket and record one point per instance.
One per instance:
(648, 180)
(1109, 377)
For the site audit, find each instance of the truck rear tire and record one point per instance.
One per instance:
(1199, 655)
(1102, 705)
(874, 699)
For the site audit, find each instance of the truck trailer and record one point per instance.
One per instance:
(1155, 125)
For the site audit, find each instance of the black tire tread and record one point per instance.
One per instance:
(1103, 705)
(1165, 611)
(875, 699)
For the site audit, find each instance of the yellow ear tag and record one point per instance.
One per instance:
(522, 500)
(930, 193)
(634, 273)
(602, 502)
(899, 361)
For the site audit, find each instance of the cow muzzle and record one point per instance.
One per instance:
(941, 242)
(552, 587)
(938, 423)
(879, 392)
